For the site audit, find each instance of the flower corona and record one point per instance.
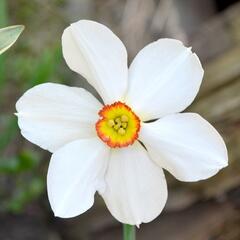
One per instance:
(118, 125)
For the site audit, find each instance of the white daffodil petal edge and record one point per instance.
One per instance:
(52, 115)
(186, 145)
(167, 76)
(75, 173)
(136, 190)
(95, 52)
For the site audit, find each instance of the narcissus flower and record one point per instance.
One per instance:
(120, 148)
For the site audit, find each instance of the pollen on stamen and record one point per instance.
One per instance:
(118, 125)
(124, 118)
(121, 131)
(111, 123)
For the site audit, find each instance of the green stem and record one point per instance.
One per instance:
(129, 232)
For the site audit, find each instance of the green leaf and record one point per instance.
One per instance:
(8, 36)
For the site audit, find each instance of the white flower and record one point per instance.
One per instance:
(105, 153)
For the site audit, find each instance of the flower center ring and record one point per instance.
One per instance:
(118, 125)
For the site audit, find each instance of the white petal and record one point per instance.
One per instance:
(164, 78)
(95, 52)
(75, 173)
(186, 145)
(51, 115)
(136, 189)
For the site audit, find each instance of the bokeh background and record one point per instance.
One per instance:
(208, 210)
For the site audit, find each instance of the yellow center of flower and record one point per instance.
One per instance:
(118, 125)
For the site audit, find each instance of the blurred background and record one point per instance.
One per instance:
(208, 210)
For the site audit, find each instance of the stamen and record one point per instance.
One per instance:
(118, 120)
(119, 123)
(124, 118)
(111, 123)
(121, 131)
(117, 126)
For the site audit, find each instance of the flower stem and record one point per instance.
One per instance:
(129, 232)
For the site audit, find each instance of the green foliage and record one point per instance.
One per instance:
(25, 193)
(3, 22)
(45, 67)
(8, 36)
(21, 180)
(24, 161)
(8, 133)
(3, 13)
(25, 185)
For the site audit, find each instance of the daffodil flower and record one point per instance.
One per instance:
(120, 148)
